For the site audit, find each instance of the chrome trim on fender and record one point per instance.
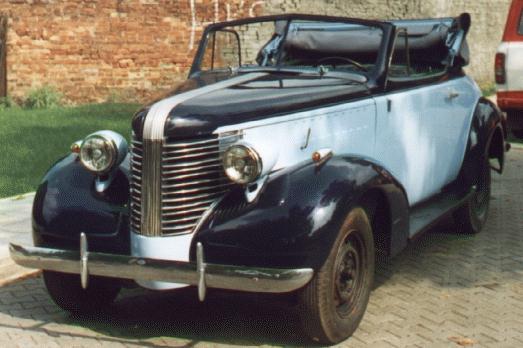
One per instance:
(267, 280)
(206, 215)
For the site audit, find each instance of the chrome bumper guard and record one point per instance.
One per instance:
(201, 274)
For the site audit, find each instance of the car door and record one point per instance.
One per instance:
(422, 133)
(422, 129)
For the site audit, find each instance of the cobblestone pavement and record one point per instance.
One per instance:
(444, 290)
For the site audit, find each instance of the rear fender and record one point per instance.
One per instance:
(486, 140)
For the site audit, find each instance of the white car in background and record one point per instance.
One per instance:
(509, 69)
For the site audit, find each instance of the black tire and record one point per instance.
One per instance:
(472, 216)
(334, 302)
(66, 291)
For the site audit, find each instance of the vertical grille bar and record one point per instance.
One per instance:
(151, 188)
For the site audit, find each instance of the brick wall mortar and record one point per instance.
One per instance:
(90, 49)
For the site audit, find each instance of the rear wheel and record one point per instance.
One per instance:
(472, 216)
(67, 292)
(334, 302)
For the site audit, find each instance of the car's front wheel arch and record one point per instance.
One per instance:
(332, 305)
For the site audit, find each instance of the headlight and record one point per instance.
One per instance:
(242, 164)
(102, 151)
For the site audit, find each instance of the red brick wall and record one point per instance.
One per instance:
(92, 49)
(137, 49)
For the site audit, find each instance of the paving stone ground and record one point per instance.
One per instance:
(444, 290)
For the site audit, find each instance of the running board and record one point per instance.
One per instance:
(427, 214)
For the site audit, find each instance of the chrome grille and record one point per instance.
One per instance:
(136, 183)
(192, 179)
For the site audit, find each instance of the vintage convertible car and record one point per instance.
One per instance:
(300, 149)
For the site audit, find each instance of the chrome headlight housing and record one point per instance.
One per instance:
(102, 151)
(242, 164)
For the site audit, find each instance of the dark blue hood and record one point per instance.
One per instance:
(268, 96)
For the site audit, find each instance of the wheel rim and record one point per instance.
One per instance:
(349, 276)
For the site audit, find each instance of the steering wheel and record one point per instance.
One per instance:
(344, 59)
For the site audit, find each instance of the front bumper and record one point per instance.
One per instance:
(201, 274)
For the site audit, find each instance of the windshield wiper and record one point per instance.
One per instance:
(320, 72)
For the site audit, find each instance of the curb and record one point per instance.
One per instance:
(17, 197)
(516, 146)
(11, 272)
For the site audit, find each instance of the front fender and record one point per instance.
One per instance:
(296, 218)
(67, 204)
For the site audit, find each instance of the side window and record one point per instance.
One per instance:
(418, 56)
(520, 26)
(222, 51)
(400, 62)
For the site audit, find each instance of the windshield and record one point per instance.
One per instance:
(295, 45)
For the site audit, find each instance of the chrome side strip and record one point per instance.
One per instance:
(153, 140)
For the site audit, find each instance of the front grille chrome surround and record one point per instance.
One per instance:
(191, 179)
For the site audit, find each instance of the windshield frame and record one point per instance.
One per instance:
(376, 75)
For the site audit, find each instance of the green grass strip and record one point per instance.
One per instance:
(32, 140)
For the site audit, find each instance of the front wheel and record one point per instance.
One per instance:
(333, 303)
(472, 216)
(67, 292)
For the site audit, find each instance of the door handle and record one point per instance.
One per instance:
(452, 95)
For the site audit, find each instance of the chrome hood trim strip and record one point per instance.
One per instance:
(153, 141)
